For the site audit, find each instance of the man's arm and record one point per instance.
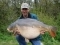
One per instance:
(34, 16)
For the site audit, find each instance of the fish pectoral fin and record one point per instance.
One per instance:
(27, 40)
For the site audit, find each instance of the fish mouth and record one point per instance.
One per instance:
(9, 30)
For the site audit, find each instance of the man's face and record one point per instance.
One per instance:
(25, 11)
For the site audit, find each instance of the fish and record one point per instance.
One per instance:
(30, 28)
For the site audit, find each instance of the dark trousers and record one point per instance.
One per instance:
(21, 40)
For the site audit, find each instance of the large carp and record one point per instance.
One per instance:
(30, 28)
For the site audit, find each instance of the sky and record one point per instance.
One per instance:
(32, 0)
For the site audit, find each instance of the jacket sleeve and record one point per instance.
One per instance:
(33, 16)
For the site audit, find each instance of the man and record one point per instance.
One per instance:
(25, 8)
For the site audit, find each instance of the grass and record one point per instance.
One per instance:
(10, 40)
(51, 42)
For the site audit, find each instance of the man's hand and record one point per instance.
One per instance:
(16, 32)
(42, 31)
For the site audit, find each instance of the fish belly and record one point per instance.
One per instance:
(30, 32)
